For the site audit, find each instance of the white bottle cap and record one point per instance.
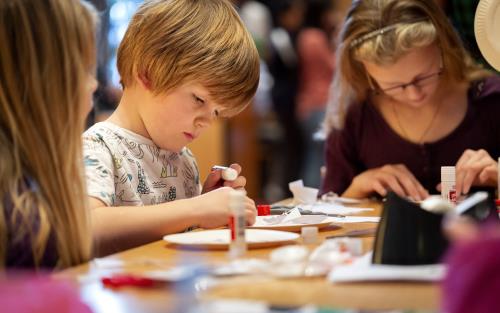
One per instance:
(309, 235)
(448, 173)
(229, 174)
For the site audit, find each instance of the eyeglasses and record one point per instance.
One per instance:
(419, 83)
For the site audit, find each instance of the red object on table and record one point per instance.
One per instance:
(263, 209)
(127, 280)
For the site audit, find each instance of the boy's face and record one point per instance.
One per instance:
(175, 119)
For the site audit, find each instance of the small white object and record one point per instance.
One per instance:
(302, 194)
(289, 254)
(486, 30)
(309, 235)
(448, 188)
(289, 261)
(228, 173)
(436, 204)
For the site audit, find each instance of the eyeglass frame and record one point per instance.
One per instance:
(414, 82)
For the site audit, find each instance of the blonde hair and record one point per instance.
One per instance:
(178, 41)
(381, 32)
(46, 57)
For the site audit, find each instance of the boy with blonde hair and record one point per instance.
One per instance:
(183, 63)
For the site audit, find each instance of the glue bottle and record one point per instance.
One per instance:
(237, 224)
(448, 187)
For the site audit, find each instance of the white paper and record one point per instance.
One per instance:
(363, 270)
(302, 194)
(355, 219)
(333, 208)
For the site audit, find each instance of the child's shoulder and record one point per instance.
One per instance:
(111, 134)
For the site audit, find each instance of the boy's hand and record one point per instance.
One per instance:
(213, 209)
(215, 180)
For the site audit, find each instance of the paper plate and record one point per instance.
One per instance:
(218, 239)
(295, 225)
(487, 31)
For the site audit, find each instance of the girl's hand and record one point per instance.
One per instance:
(395, 177)
(475, 168)
(215, 180)
(212, 208)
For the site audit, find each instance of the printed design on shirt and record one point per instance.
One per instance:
(155, 153)
(107, 196)
(159, 185)
(142, 187)
(162, 198)
(98, 167)
(168, 169)
(123, 199)
(117, 161)
(124, 178)
(172, 193)
(189, 184)
(134, 148)
(111, 134)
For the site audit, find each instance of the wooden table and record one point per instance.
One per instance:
(280, 292)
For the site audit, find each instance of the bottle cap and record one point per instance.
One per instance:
(229, 174)
(448, 173)
(309, 234)
(263, 209)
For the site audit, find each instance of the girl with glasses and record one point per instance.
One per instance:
(407, 99)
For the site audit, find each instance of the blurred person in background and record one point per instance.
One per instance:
(288, 18)
(315, 50)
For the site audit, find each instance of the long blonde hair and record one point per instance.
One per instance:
(382, 31)
(174, 42)
(46, 56)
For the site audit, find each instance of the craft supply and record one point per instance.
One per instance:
(263, 209)
(237, 224)
(448, 188)
(227, 173)
(309, 235)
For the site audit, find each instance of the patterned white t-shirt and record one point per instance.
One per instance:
(123, 168)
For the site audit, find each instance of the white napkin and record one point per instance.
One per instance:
(363, 270)
(302, 194)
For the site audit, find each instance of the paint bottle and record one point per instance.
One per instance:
(237, 224)
(448, 184)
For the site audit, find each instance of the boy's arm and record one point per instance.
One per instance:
(124, 227)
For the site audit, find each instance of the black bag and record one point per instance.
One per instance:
(408, 234)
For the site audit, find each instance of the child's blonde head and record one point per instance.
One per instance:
(46, 56)
(381, 32)
(169, 43)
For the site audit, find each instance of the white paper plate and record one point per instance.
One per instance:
(219, 238)
(320, 221)
(487, 31)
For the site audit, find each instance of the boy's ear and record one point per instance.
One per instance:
(144, 81)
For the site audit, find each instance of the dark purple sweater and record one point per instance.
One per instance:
(19, 250)
(367, 141)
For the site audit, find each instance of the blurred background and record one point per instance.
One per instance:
(276, 139)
